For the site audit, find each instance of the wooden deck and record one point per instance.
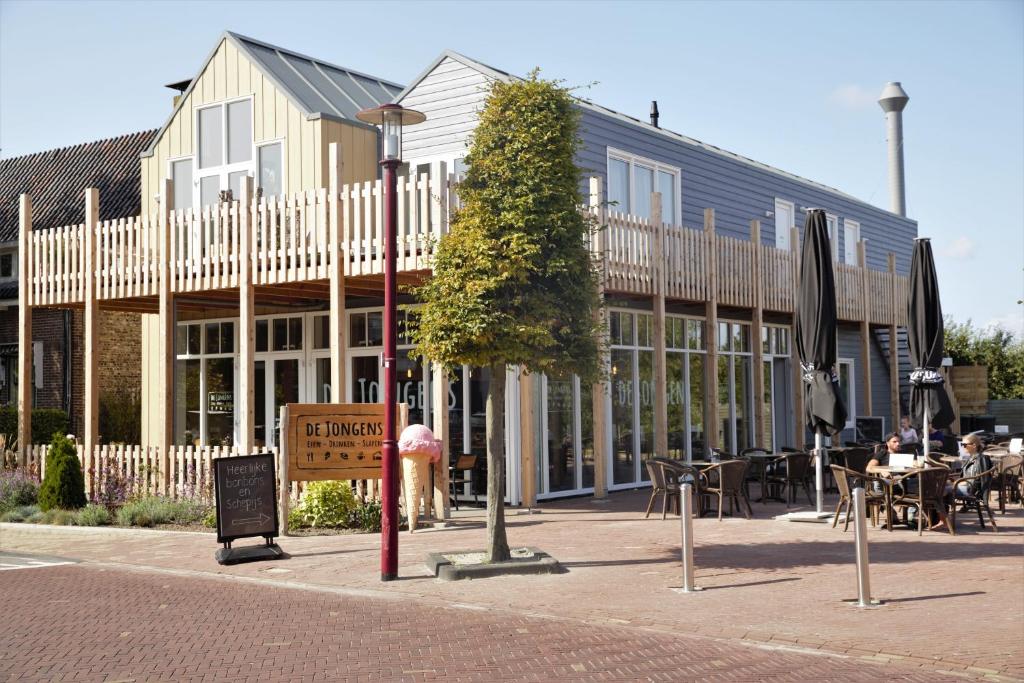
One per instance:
(201, 251)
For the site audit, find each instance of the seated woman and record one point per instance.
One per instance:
(907, 432)
(976, 463)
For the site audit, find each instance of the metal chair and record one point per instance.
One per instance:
(786, 472)
(466, 465)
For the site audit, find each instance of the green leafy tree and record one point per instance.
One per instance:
(513, 281)
(995, 348)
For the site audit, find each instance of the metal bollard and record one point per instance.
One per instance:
(686, 520)
(860, 530)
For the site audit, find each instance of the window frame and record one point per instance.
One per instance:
(225, 169)
(284, 163)
(850, 224)
(851, 405)
(832, 221)
(14, 266)
(633, 160)
(783, 239)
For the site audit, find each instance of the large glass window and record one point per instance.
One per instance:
(684, 368)
(623, 449)
(735, 379)
(181, 175)
(271, 173)
(224, 142)
(561, 435)
(632, 179)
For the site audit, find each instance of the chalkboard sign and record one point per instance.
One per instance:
(871, 429)
(246, 490)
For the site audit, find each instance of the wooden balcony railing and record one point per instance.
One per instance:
(291, 243)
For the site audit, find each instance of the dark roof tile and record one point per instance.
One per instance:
(57, 179)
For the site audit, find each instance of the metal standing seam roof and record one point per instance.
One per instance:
(316, 88)
(56, 179)
(498, 74)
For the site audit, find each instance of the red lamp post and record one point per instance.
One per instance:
(390, 118)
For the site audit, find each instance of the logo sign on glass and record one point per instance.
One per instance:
(334, 441)
(246, 497)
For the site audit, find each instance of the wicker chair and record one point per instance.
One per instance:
(787, 472)
(845, 481)
(1008, 482)
(930, 495)
(857, 459)
(656, 471)
(678, 473)
(976, 498)
(755, 471)
(727, 479)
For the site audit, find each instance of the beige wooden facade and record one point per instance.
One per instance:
(230, 75)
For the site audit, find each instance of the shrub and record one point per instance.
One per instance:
(45, 422)
(366, 517)
(17, 487)
(326, 504)
(151, 510)
(121, 416)
(59, 517)
(63, 486)
(115, 489)
(22, 513)
(93, 515)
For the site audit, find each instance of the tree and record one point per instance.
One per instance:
(63, 484)
(995, 348)
(513, 281)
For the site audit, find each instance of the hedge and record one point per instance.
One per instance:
(45, 423)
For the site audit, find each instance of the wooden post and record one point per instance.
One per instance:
(761, 430)
(600, 390)
(894, 352)
(711, 318)
(90, 354)
(865, 327)
(165, 333)
(246, 323)
(529, 424)
(440, 387)
(798, 376)
(336, 275)
(24, 332)
(660, 361)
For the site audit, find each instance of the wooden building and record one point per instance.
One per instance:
(257, 266)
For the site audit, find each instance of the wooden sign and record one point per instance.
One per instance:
(245, 490)
(335, 440)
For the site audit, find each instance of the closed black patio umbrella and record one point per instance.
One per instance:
(929, 403)
(824, 409)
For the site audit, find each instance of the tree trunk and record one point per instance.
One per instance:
(497, 543)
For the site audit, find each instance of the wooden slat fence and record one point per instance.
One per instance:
(189, 469)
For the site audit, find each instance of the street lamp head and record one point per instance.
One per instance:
(391, 118)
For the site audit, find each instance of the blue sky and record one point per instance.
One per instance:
(790, 84)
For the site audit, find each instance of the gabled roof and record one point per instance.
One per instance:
(316, 88)
(57, 178)
(500, 75)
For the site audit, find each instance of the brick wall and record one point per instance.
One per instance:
(119, 346)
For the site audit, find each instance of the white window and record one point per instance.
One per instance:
(8, 266)
(848, 390)
(851, 236)
(784, 214)
(181, 176)
(271, 169)
(225, 148)
(833, 234)
(632, 179)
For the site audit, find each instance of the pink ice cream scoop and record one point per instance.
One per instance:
(418, 439)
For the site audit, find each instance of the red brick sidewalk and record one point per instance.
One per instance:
(953, 604)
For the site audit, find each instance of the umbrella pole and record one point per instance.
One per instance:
(820, 453)
(927, 435)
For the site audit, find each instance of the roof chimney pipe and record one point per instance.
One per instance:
(893, 101)
(654, 113)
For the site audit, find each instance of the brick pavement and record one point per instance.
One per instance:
(767, 582)
(90, 623)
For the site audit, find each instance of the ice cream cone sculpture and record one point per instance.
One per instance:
(417, 448)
